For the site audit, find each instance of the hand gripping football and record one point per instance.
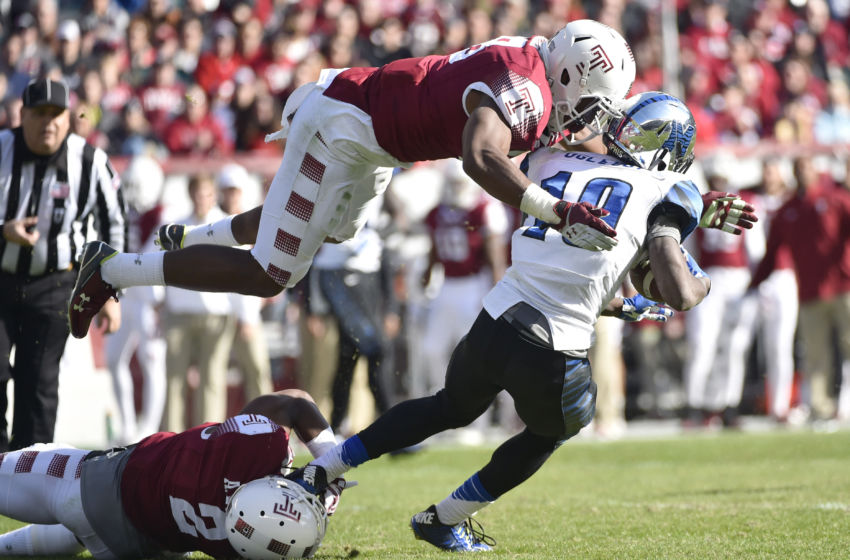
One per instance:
(644, 281)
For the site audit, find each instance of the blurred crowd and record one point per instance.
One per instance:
(157, 80)
(211, 76)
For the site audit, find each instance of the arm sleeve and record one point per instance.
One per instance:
(682, 205)
(109, 211)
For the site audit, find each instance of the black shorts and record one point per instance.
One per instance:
(553, 393)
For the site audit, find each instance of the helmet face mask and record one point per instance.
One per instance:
(590, 69)
(656, 132)
(272, 518)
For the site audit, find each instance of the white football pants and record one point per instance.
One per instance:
(41, 484)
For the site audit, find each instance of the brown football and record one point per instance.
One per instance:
(644, 281)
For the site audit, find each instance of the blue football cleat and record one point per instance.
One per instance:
(463, 537)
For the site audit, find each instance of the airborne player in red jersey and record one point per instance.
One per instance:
(168, 492)
(347, 132)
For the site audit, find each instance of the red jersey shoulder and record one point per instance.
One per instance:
(514, 73)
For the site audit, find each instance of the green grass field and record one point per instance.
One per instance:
(782, 495)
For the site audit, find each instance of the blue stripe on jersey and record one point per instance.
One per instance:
(473, 491)
(686, 195)
(353, 452)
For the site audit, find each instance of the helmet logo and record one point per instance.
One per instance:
(600, 59)
(287, 509)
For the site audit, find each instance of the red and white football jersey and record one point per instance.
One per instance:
(175, 487)
(417, 105)
(458, 235)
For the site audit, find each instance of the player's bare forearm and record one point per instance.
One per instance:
(290, 408)
(486, 144)
(679, 288)
(246, 225)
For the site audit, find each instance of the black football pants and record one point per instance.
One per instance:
(34, 313)
(553, 394)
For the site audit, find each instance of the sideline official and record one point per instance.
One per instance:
(51, 184)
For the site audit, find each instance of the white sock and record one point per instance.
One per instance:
(469, 497)
(39, 540)
(332, 462)
(216, 233)
(133, 269)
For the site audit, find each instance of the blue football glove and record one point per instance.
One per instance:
(639, 308)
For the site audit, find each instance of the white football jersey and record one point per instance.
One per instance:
(569, 285)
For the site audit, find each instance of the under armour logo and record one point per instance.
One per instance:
(83, 299)
(138, 260)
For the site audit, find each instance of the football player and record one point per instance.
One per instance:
(531, 338)
(347, 132)
(170, 492)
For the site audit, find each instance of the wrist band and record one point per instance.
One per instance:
(540, 204)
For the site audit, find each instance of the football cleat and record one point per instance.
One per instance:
(170, 237)
(312, 478)
(90, 291)
(467, 536)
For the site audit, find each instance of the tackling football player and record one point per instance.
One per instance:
(347, 132)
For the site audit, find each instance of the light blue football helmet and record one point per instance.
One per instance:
(656, 132)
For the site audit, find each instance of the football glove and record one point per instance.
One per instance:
(727, 212)
(170, 237)
(332, 493)
(581, 225)
(639, 308)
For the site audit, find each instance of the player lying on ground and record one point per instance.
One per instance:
(532, 337)
(170, 492)
(348, 131)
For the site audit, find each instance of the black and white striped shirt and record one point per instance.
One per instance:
(68, 191)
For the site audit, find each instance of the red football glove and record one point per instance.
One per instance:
(727, 212)
(332, 493)
(581, 225)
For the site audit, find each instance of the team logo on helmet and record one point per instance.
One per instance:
(600, 59)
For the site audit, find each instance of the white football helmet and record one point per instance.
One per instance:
(590, 69)
(142, 183)
(656, 131)
(272, 518)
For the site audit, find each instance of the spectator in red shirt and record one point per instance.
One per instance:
(196, 132)
(219, 65)
(162, 98)
(814, 226)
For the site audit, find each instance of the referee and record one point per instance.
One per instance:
(53, 185)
